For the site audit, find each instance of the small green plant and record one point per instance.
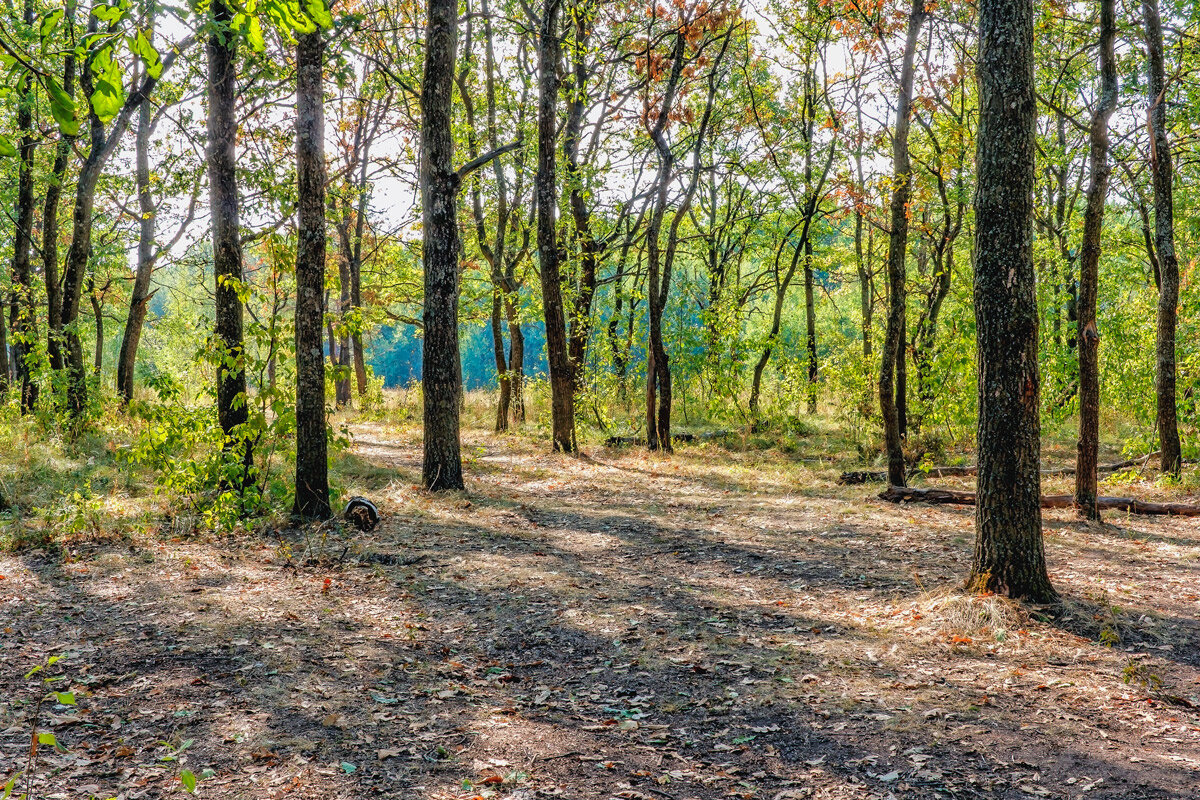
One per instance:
(1138, 674)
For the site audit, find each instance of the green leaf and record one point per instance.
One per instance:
(110, 14)
(8, 787)
(63, 109)
(318, 13)
(50, 22)
(347, 767)
(65, 698)
(47, 739)
(143, 49)
(188, 778)
(109, 94)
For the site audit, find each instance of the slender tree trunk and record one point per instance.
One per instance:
(21, 315)
(342, 384)
(1089, 269)
(562, 398)
(589, 249)
(1162, 172)
(810, 317)
(441, 377)
(890, 388)
(312, 457)
(1009, 557)
(232, 399)
(97, 302)
(516, 359)
(139, 296)
(503, 378)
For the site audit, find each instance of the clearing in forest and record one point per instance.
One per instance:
(719, 623)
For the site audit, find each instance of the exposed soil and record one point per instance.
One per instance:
(707, 625)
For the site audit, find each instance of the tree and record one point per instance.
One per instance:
(893, 342)
(21, 315)
(1162, 172)
(100, 82)
(224, 209)
(312, 459)
(562, 390)
(1009, 557)
(1088, 336)
(441, 373)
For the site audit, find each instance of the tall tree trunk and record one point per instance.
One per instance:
(139, 296)
(1162, 172)
(562, 400)
(232, 400)
(810, 318)
(1089, 270)
(1009, 557)
(589, 248)
(441, 377)
(312, 458)
(893, 343)
(21, 314)
(50, 206)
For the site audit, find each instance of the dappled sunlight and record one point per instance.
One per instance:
(652, 631)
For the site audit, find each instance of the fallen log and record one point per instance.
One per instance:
(959, 472)
(685, 438)
(900, 494)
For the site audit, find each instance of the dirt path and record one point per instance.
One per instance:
(717, 624)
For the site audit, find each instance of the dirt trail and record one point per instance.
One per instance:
(716, 624)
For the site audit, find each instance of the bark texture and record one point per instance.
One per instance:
(562, 398)
(312, 458)
(893, 341)
(441, 377)
(21, 311)
(1088, 336)
(1162, 172)
(1009, 557)
(232, 408)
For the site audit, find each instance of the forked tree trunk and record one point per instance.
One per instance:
(1009, 557)
(1088, 339)
(441, 378)
(312, 458)
(893, 343)
(1162, 171)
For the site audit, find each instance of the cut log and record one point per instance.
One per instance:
(848, 478)
(900, 494)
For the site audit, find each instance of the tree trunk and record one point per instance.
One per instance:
(21, 315)
(232, 399)
(516, 359)
(893, 343)
(503, 378)
(97, 301)
(441, 377)
(562, 398)
(1162, 172)
(1088, 338)
(312, 458)
(139, 296)
(1009, 557)
(589, 249)
(810, 317)
(342, 382)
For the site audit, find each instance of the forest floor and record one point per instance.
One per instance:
(718, 623)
